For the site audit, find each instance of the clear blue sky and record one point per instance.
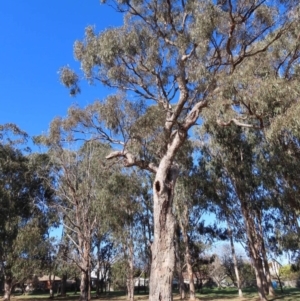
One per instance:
(36, 40)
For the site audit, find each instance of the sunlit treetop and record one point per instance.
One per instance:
(233, 59)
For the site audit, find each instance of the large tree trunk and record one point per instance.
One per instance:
(260, 281)
(163, 250)
(84, 286)
(85, 281)
(235, 263)
(7, 288)
(267, 272)
(253, 245)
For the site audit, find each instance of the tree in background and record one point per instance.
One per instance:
(124, 221)
(26, 200)
(81, 177)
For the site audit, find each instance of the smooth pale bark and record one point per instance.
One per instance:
(235, 263)
(130, 280)
(51, 285)
(51, 291)
(269, 285)
(7, 288)
(84, 248)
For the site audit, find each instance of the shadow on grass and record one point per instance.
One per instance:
(225, 293)
(40, 296)
(289, 294)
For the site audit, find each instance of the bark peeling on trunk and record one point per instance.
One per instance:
(84, 286)
(163, 248)
(254, 251)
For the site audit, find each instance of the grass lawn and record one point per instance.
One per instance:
(290, 294)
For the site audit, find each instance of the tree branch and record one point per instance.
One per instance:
(130, 160)
(238, 123)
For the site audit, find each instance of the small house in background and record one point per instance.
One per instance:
(140, 281)
(44, 282)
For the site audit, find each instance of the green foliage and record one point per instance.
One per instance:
(26, 213)
(287, 272)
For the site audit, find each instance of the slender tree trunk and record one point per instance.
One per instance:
(235, 263)
(279, 280)
(98, 281)
(187, 254)
(89, 284)
(64, 284)
(130, 280)
(189, 265)
(7, 287)
(270, 288)
(51, 285)
(179, 266)
(183, 222)
(265, 259)
(163, 250)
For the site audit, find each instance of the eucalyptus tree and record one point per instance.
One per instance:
(236, 156)
(215, 187)
(283, 182)
(26, 214)
(178, 57)
(81, 175)
(64, 262)
(189, 210)
(124, 222)
(104, 255)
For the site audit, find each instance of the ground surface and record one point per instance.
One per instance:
(206, 295)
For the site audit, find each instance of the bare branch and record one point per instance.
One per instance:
(187, 56)
(238, 123)
(74, 242)
(130, 160)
